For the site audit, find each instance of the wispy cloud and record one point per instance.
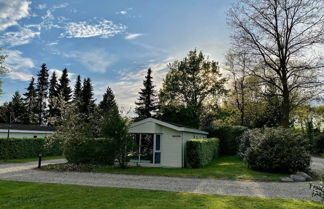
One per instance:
(59, 73)
(15, 38)
(122, 12)
(129, 84)
(95, 60)
(18, 65)
(102, 29)
(12, 11)
(131, 36)
(41, 6)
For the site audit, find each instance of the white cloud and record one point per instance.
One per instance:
(122, 12)
(103, 29)
(15, 38)
(41, 6)
(18, 65)
(133, 36)
(12, 11)
(95, 60)
(20, 76)
(59, 73)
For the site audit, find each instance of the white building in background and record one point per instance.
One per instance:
(161, 144)
(25, 131)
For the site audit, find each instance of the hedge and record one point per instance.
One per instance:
(229, 138)
(90, 151)
(14, 148)
(200, 152)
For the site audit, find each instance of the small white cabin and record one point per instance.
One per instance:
(25, 131)
(161, 144)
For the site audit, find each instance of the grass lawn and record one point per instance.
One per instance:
(25, 160)
(47, 196)
(227, 167)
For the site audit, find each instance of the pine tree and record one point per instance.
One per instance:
(64, 87)
(53, 97)
(108, 102)
(146, 103)
(30, 102)
(87, 102)
(77, 90)
(17, 109)
(41, 90)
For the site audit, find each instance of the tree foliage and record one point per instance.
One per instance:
(191, 83)
(146, 104)
(278, 35)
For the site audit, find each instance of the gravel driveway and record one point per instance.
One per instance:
(25, 172)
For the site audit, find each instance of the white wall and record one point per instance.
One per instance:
(23, 135)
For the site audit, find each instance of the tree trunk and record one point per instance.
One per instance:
(285, 106)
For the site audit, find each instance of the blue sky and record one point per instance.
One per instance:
(112, 42)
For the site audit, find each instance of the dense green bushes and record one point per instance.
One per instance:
(91, 151)
(318, 143)
(200, 152)
(15, 148)
(229, 138)
(275, 150)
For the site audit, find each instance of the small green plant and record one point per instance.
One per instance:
(318, 190)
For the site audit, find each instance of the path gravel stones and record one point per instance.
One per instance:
(25, 172)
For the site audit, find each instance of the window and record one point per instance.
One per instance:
(157, 157)
(157, 142)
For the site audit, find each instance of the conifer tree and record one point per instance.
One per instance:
(42, 94)
(146, 104)
(30, 102)
(17, 109)
(77, 90)
(53, 96)
(87, 102)
(108, 102)
(63, 86)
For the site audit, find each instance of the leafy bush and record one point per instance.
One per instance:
(275, 150)
(200, 152)
(15, 148)
(318, 144)
(229, 138)
(90, 151)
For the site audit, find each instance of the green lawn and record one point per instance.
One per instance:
(25, 160)
(228, 167)
(21, 195)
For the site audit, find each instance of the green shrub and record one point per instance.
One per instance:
(14, 148)
(318, 144)
(229, 138)
(90, 151)
(200, 152)
(275, 150)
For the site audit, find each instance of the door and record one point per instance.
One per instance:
(157, 149)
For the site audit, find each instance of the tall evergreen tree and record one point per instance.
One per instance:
(108, 102)
(146, 103)
(64, 87)
(77, 90)
(87, 102)
(42, 91)
(53, 97)
(17, 109)
(30, 102)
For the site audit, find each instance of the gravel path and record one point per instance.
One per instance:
(25, 172)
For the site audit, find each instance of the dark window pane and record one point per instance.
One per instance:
(157, 158)
(157, 142)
